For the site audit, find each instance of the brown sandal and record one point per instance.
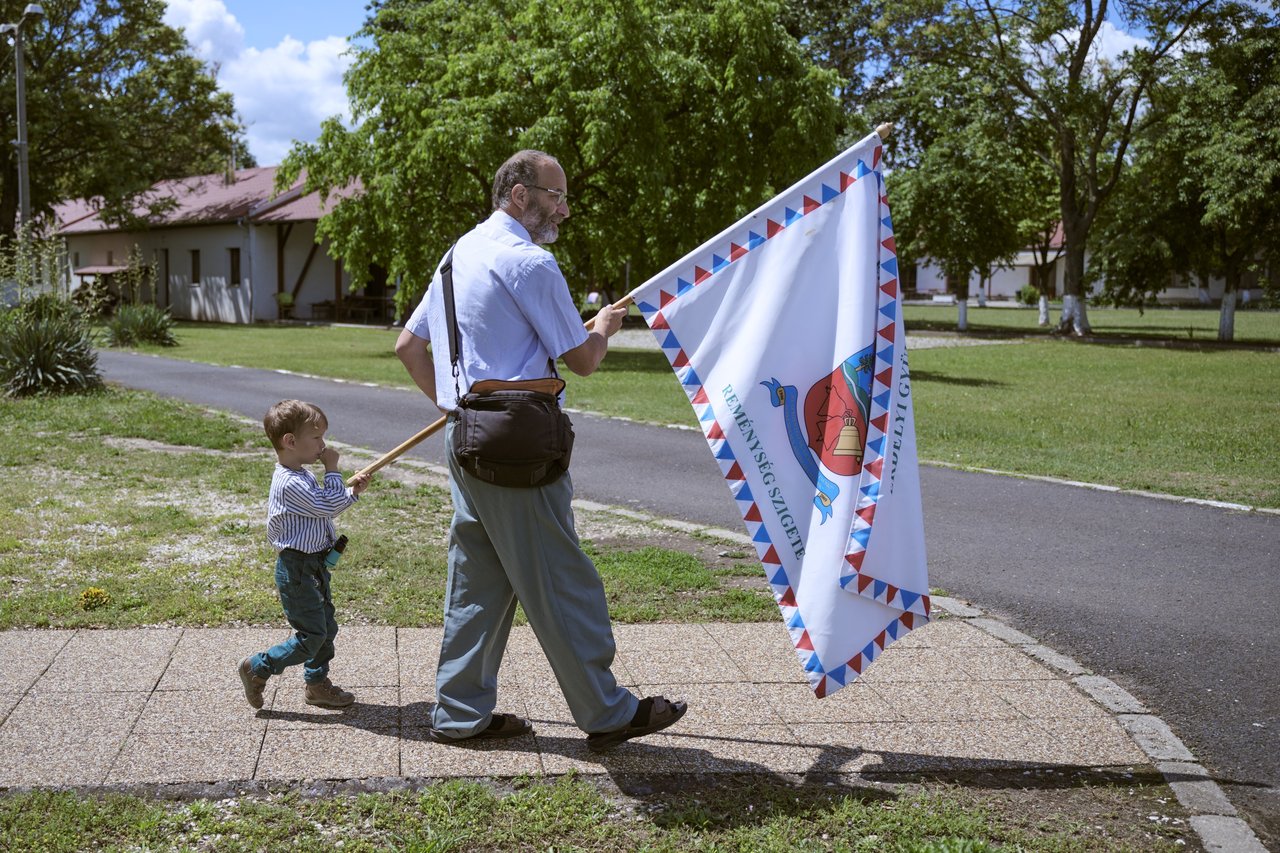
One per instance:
(654, 714)
(500, 726)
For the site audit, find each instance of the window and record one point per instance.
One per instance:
(111, 257)
(75, 260)
(233, 277)
(195, 267)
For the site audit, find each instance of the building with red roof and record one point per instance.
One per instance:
(224, 248)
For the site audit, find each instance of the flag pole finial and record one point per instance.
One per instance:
(885, 129)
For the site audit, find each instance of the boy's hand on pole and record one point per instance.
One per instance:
(360, 482)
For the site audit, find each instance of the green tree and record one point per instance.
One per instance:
(1204, 198)
(671, 119)
(1047, 63)
(115, 102)
(957, 184)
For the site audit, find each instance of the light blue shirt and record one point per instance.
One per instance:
(300, 511)
(513, 307)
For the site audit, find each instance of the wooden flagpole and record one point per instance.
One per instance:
(417, 438)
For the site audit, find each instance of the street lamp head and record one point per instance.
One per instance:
(33, 10)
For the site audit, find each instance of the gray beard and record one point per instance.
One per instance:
(540, 227)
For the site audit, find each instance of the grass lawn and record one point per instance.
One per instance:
(1176, 324)
(1198, 423)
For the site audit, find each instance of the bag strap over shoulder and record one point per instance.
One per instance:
(455, 348)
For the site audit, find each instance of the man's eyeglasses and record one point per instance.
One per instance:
(560, 196)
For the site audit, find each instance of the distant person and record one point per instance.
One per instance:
(518, 544)
(300, 513)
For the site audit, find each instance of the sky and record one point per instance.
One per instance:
(282, 61)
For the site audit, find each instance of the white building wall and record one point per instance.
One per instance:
(214, 298)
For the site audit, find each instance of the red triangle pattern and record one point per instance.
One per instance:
(715, 433)
(867, 513)
(890, 288)
(771, 229)
(700, 275)
(771, 556)
(735, 473)
(658, 321)
(883, 378)
(810, 205)
(788, 598)
(753, 514)
(889, 244)
(681, 360)
(804, 642)
(882, 423)
(700, 399)
(736, 251)
(846, 181)
(664, 299)
(887, 333)
(876, 467)
(855, 559)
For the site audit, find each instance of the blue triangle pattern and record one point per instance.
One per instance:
(707, 415)
(754, 239)
(890, 310)
(909, 598)
(882, 400)
(724, 451)
(877, 446)
(645, 308)
(862, 536)
(670, 342)
(718, 263)
(886, 354)
(870, 651)
(762, 535)
(871, 490)
(828, 193)
(838, 675)
(796, 621)
(862, 170)
(878, 588)
(892, 629)
(813, 664)
(791, 216)
(887, 222)
(891, 264)
(690, 378)
(744, 494)
(683, 287)
(780, 579)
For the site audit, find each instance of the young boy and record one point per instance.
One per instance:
(300, 515)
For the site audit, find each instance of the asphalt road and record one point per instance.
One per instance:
(1174, 602)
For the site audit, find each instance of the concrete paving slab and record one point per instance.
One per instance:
(1088, 743)
(374, 708)
(1047, 700)
(53, 716)
(733, 749)
(8, 701)
(899, 663)
(762, 650)
(419, 651)
(26, 656)
(28, 762)
(945, 700)
(202, 711)
(1003, 664)
(93, 661)
(205, 756)
(948, 633)
(365, 656)
(337, 752)
(857, 703)
(200, 652)
(564, 749)
(507, 757)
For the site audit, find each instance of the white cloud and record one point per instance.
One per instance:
(213, 33)
(282, 93)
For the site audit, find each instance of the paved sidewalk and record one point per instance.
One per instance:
(121, 707)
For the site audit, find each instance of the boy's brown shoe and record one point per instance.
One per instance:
(324, 694)
(253, 684)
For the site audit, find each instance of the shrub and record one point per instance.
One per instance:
(1029, 295)
(46, 355)
(140, 324)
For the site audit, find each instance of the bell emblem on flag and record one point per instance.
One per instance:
(847, 443)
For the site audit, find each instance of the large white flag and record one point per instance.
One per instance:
(786, 333)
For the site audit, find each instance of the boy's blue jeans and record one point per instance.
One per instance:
(303, 582)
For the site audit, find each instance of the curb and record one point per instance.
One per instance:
(1211, 814)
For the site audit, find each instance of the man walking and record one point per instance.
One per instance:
(509, 544)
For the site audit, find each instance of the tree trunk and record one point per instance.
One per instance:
(1044, 309)
(1227, 317)
(962, 315)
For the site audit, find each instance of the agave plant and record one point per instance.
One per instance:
(139, 324)
(46, 355)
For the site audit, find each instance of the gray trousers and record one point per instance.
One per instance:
(508, 545)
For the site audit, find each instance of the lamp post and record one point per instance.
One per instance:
(34, 11)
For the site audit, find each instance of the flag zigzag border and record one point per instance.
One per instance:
(915, 605)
